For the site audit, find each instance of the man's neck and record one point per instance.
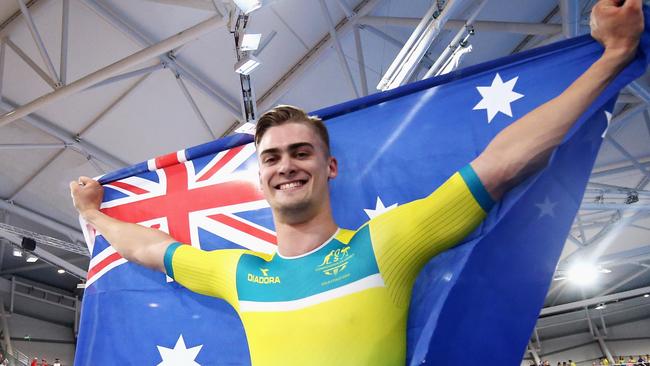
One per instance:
(298, 239)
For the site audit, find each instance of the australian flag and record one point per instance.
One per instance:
(480, 298)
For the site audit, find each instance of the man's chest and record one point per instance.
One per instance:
(336, 269)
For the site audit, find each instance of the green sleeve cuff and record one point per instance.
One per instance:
(477, 188)
(169, 254)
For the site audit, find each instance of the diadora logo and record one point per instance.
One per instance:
(264, 279)
(335, 261)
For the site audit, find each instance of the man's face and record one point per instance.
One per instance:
(294, 170)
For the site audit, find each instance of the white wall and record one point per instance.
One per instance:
(21, 326)
(583, 355)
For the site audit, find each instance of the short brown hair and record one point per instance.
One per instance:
(283, 114)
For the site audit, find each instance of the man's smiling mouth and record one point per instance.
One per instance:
(291, 185)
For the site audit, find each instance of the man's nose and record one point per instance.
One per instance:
(286, 167)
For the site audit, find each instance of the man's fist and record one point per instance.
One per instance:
(87, 194)
(617, 25)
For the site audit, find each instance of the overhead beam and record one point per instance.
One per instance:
(39, 42)
(426, 60)
(614, 206)
(63, 63)
(624, 282)
(337, 46)
(48, 257)
(286, 82)
(635, 255)
(31, 146)
(570, 12)
(36, 267)
(65, 136)
(195, 107)
(48, 222)
(640, 90)
(37, 69)
(118, 21)
(405, 63)
(361, 61)
(629, 156)
(455, 42)
(594, 301)
(114, 69)
(479, 25)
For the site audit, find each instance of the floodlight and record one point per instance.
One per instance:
(646, 295)
(248, 6)
(31, 258)
(247, 64)
(582, 274)
(60, 271)
(601, 306)
(250, 42)
(18, 252)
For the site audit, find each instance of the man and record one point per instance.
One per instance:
(336, 296)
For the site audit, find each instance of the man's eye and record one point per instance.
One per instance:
(302, 154)
(269, 160)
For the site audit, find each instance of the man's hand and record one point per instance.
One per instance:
(525, 146)
(87, 194)
(136, 243)
(617, 25)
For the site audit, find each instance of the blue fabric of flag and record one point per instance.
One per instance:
(481, 298)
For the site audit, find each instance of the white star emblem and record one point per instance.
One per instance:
(379, 209)
(609, 120)
(180, 355)
(497, 97)
(546, 208)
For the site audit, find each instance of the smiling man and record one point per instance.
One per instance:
(332, 296)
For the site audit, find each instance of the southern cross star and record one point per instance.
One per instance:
(546, 208)
(379, 209)
(180, 355)
(497, 97)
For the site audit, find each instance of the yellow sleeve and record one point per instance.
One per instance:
(406, 238)
(211, 273)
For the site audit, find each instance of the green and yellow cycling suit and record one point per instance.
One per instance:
(346, 302)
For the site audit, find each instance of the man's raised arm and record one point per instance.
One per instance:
(525, 146)
(136, 243)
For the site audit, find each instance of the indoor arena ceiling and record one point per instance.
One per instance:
(190, 94)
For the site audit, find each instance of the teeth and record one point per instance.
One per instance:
(290, 185)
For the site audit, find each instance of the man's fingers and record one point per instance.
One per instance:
(83, 180)
(635, 4)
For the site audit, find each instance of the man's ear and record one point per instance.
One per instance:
(333, 167)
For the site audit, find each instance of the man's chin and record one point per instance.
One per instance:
(293, 209)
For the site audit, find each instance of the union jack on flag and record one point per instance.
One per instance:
(211, 202)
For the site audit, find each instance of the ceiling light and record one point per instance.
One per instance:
(250, 42)
(247, 64)
(601, 306)
(582, 274)
(18, 252)
(31, 258)
(248, 6)
(604, 270)
(60, 271)
(646, 295)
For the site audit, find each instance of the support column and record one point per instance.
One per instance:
(5, 328)
(603, 345)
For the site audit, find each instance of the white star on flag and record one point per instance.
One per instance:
(497, 97)
(609, 120)
(180, 355)
(546, 208)
(379, 209)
